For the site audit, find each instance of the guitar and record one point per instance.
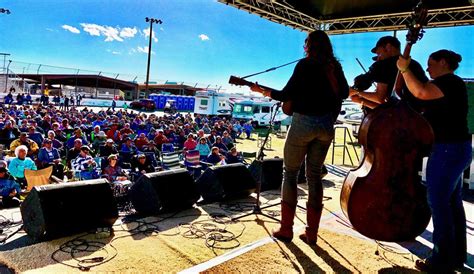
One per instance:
(286, 107)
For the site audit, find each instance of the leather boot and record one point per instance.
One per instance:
(313, 216)
(285, 232)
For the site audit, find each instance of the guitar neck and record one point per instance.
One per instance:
(242, 82)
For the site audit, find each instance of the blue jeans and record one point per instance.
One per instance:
(310, 137)
(444, 172)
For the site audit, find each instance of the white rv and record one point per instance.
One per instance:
(259, 111)
(210, 102)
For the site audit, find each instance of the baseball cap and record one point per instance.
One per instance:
(386, 40)
(110, 141)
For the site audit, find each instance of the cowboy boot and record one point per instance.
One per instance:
(285, 232)
(313, 216)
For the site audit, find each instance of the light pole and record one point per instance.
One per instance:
(6, 11)
(151, 20)
(6, 75)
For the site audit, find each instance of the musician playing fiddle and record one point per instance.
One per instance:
(383, 72)
(451, 154)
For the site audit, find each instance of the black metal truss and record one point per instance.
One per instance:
(282, 13)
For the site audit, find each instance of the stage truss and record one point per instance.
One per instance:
(282, 13)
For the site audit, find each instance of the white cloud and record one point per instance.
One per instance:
(203, 37)
(71, 29)
(146, 32)
(110, 33)
(128, 32)
(114, 52)
(144, 50)
(50, 29)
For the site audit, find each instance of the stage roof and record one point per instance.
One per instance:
(349, 16)
(82, 80)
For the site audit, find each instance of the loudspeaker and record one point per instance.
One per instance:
(269, 171)
(227, 181)
(163, 191)
(52, 211)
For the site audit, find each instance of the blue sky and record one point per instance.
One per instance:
(200, 41)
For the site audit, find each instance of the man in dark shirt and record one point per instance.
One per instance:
(383, 73)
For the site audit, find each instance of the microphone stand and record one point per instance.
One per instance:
(259, 162)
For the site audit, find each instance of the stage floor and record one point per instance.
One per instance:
(204, 239)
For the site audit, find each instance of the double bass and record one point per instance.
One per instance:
(384, 198)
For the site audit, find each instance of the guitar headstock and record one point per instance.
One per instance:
(234, 80)
(418, 19)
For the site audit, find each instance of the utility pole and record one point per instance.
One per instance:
(157, 21)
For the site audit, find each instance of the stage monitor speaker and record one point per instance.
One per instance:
(269, 171)
(164, 191)
(227, 181)
(56, 210)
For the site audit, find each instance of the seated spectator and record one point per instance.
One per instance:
(35, 136)
(126, 130)
(219, 144)
(9, 132)
(151, 147)
(108, 149)
(55, 142)
(73, 152)
(190, 143)
(237, 128)
(95, 132)
(32, 146)
(49, 156)
(128, 146)
(84, 165)
(212, 138)
(227, 140)
(113, 172)
(233, 156)
(99, 140)
(142, 165)
(9, 189)
(60, 135)
(203, 148)
(215, 157)
(206, 129)
(113, 133)
(141, 141)
(160, 138)
(77, 135)
(20, 163)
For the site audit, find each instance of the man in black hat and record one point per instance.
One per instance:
(383, 73)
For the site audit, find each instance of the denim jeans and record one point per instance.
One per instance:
(444, 172)
(310, 137)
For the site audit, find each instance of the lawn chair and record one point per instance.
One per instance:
(167, 148)
(192, 163)
(248, 157)
(170, 160)
(261, 138)
(39, 178)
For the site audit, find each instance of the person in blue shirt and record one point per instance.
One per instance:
(20, 163)
(49, 156)
(9, 189)
(203, 149)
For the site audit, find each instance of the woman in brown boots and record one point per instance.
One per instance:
(316, 90)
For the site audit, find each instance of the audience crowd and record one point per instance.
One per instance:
(118, 145)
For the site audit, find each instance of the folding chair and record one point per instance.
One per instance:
(261, 138)
(170, 160)
(248, 157)
(192, 163)
(38, 178)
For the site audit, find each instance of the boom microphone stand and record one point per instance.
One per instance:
(259, 162)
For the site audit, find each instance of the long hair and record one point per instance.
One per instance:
(318, 47)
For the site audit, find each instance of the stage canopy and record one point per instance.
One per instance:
(349, 16)
(81, 80)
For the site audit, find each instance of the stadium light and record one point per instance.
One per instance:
(152, 21)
